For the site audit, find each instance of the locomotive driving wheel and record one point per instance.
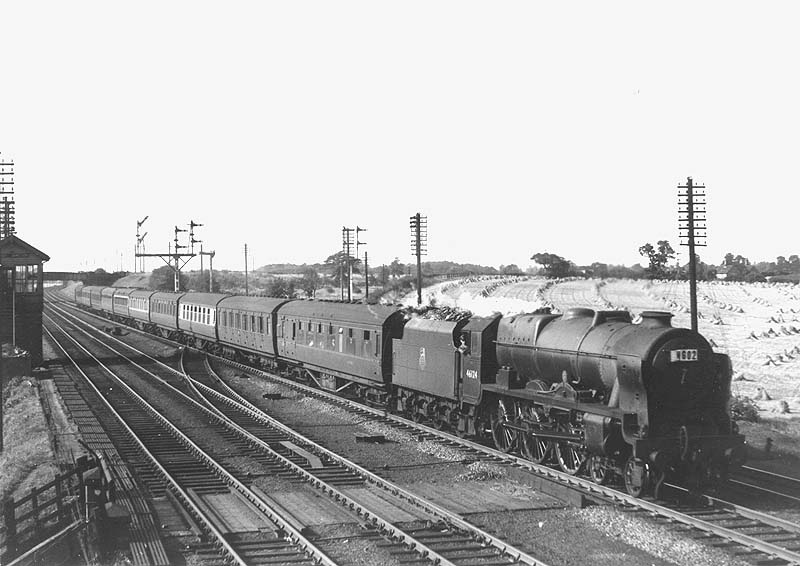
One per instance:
(535, 448)
(570, 456)
(504, 438)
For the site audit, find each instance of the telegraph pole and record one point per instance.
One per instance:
(366, 278)
(6, 198)
(246, 288)
(347, 242)
(419, 242)
(692, 231)
(7, 229)
(359, 229)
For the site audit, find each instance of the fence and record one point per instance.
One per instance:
(48, 509)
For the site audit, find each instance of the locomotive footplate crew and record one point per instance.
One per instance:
(589, 391)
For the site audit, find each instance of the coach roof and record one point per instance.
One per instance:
(205, 299)
(354, 313)
(254, 304)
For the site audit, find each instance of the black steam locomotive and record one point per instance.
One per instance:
(590, 391)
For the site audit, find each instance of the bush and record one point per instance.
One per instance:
(743, 408)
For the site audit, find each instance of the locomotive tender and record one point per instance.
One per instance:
(588, 390)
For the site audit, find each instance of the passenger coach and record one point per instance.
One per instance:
(340, 344)
(249, 324)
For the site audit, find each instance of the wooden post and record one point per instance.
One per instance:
(59, 499)
(10, 519)
(35, 508)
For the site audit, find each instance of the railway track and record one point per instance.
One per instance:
(766, 482)
(175, 462)
(448, 541)
(760, 534)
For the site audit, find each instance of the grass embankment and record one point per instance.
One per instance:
(27, 459)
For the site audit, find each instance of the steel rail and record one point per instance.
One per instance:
(770, 520)
(176, 488)
(772, 474)
(384, 524)
(764, 489)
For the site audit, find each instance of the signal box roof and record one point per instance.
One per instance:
(15, 251)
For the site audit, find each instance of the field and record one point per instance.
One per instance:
(757, 325)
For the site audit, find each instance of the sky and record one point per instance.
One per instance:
(514, 127)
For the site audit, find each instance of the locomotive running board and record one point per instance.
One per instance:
(547, 400)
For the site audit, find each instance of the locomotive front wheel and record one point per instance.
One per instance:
(636, 476)
(598, 470)
(504, 438)
(535, 448)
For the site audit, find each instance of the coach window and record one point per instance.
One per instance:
(253, 322)
(377, 344)
(261, 325)
(238, 321)
(244, 322)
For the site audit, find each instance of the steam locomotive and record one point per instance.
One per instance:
(587, 390)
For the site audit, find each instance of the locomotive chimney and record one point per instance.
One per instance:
(656, 319)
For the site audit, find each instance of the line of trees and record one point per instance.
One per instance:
(306, 280)
(660, 265)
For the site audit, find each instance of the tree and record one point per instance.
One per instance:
(511, 269)
(337, 264)
(554, 265)
(310, 282)
(163, 279)
(281, 287)
(396, 269)
(658, 258)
